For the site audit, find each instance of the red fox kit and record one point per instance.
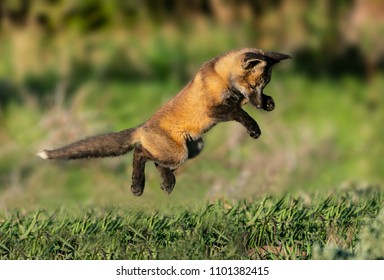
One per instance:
(173, 134)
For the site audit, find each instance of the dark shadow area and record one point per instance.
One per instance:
(350, 62)
(8, 93)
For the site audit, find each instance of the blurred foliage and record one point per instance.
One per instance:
(70, 69)
(327, 36)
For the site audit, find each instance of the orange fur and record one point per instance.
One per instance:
(173, 134)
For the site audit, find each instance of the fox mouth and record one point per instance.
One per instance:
(255, 97)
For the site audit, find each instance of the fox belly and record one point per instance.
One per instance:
(162, 148)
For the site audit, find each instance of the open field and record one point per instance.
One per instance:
(340, 226)
(311, 187)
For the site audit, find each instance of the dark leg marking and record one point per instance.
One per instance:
(140, 157)
(168, 177)
(248, 122)
(229, 113)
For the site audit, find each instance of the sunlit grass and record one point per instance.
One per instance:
(269, 228)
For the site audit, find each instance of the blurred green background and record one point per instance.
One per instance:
(70, 69)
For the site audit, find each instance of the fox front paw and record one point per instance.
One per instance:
(255, 132)
(268, 103)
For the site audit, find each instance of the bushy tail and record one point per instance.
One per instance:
(105, 145)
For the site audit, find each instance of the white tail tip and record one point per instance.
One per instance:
(43, 154)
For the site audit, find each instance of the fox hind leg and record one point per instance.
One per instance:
(167, 155)
(194, 147)
(168, 177)
(140, 157)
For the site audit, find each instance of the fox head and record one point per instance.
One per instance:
(248, 71)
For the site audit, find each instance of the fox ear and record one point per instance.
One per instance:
(251, 63)
(252, 59)
(275, 57)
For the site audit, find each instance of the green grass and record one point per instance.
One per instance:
(240, 199)
(268, 228)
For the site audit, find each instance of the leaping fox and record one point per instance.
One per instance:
(173, 134)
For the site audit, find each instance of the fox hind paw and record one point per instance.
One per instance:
(168, 184)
